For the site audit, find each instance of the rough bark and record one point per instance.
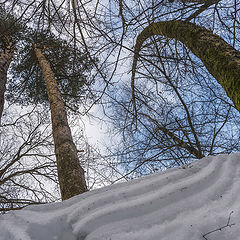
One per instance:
(220, 59)
(5, 60)
(70, 173)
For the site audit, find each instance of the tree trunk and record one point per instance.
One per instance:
(70, 173)
(220, 59)
(5, 60)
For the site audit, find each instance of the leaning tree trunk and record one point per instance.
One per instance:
(70, 173)
(220, 59)
(5, 60)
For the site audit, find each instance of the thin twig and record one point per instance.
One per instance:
(220, 228)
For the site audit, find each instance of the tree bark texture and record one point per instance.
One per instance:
(70, 173)
(220, 59)
(5, 60)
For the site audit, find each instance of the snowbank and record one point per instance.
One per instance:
(198, 201)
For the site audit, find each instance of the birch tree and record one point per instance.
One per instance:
(27, 166)
(172, 124)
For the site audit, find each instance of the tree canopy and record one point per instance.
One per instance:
(70, 65)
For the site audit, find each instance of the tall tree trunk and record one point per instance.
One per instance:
(5, 60)
(70, 173)
(220, 59)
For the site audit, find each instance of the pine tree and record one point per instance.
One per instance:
(70, 174)
(10, 31)
(47, 68)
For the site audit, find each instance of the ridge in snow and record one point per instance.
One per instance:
(200, 201)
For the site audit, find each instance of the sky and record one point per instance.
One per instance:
(95, 130)
(198, 201)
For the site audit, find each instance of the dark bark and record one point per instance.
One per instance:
(220, 59)
(70, 173)
(5, 60)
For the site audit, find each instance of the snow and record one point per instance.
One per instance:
(198, 201)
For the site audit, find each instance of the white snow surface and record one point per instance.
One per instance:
(198, 201)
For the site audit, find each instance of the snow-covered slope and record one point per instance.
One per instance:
(199, 201)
